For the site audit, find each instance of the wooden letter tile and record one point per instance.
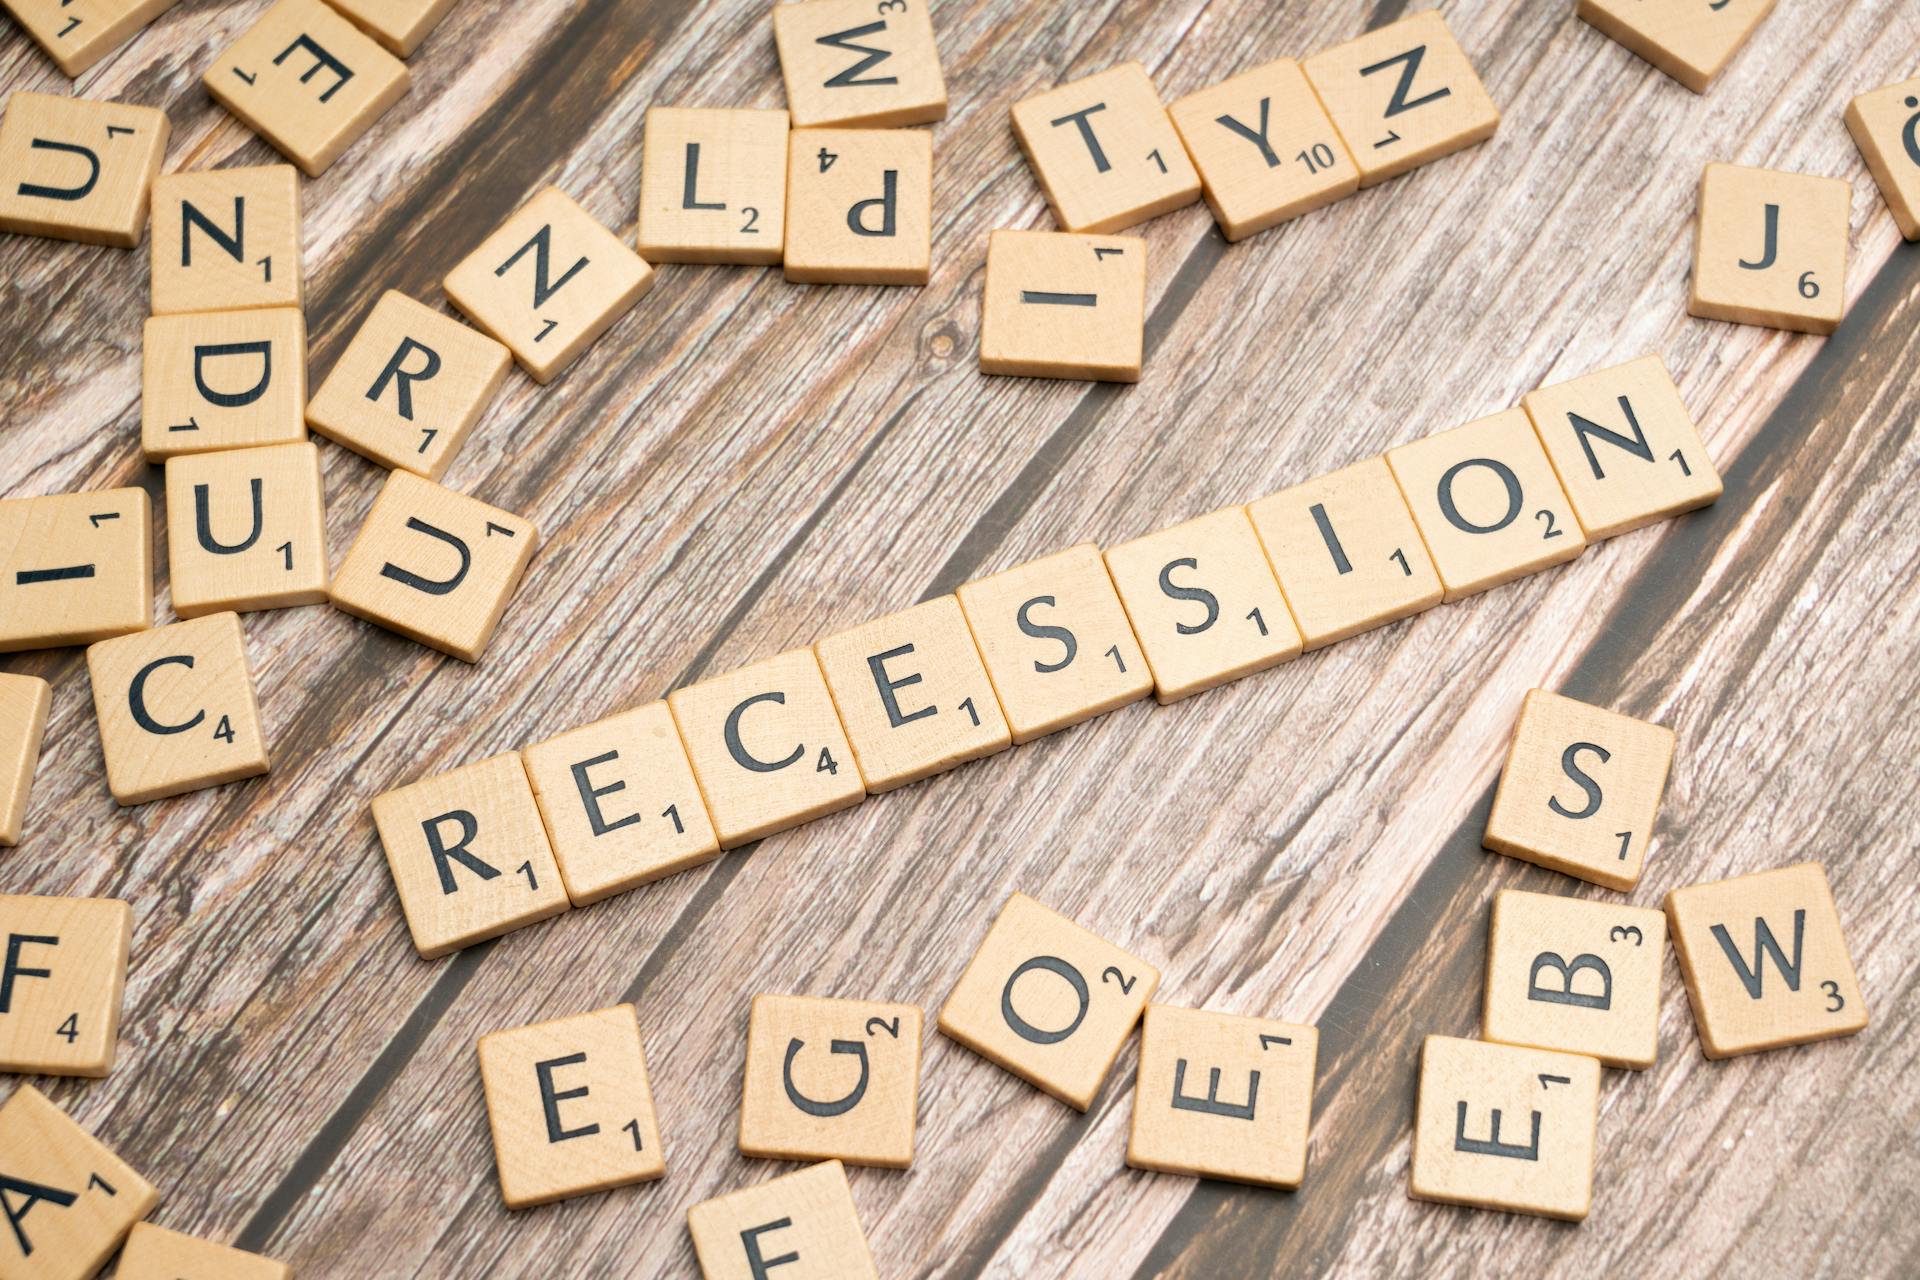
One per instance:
(78, 33)
(78, 169)
(222, 380)
(548, 282)
(61, 974)
(1346, 552)
(1624, 447)
(155, 1253)
(1575, 975)
(913, 694)
(1105, 152)
(23, 724)
(434, 565)
(850, 62)
(767, 747)
(1049, 1001)
(831, 1079)
(1056, 641)
(1064, 306)
(713, 185)
(75, 568)
(1500, 1127)
(246, 530)
(1488, 504)
(1266, 149)
(1580, 790)
(1885, 125)
(176, 709)
(226, 239)
(1730, 934)
(1203, 603)
(1403, 95)
(70, 1200)
(570, 1107)
(468, 855)
(620, 803)
(409, 387)
(1691, 42)
(803, 1223)
(1223, 1096)
(1770, 248)
(308, 81)
(859, 206)
(399, 25)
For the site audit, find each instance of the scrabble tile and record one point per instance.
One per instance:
(1203, 603)
(1049, 1001)
(399, 25)
(1770, 248)
(859, 62)
(1575, 975)
(1223, 1096)
(859, 206)
(548, 282)
(23, 724)
(912, 693)
(1885, 125)
(831, 1079)
(620, 803)
(767, 747)
(69, 1200)
(1623, 447)
(803, 1223)
(1403, 95)
(213, 380)
(226, 240)
(468, 855)
(75, 568)
(155, 1253)
(409, 387)
(246, 529)
(570, 1107)
(1580, 790)
(1058, 305)
(1105, 152)
(1487, 503)
(1346, 552)
(713, 185)
(434, 565)
(308, 81)
(176, 708)
(1690, 42)
(1265, 148)
(1765, 962)
(78, 33)
(1500, 1127)
(61, 976)
(1056, 641)
(79, 169)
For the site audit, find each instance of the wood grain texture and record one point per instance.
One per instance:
(742, 465)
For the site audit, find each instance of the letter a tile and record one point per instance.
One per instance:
(226, 240)
(802, 1223)
(1770, 248)
(831, 1079)
(1064, 306)
(78, 169)
(69, 1200)
(1505, 1128)
(65, 964)
(246, 530)
(155, 1253)
(78, 33)
(1690, 42)
(713, 185)
(1223, 1096)
(570, 1107)
(75, 568)
(1885, 125)
(1575, 975)
(216, 380)
(23, 724)
(859, 206)
(859, 63)
(1765, 962)
(468, 855)
(1049, 1001)
(434, 565)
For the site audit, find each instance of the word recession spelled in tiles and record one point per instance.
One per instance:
(64, 966)
(24, 701)
(804, 1222)
(835, 1079)
(78, 169)
(75, 568)
(69, 1200)
(1059, 305)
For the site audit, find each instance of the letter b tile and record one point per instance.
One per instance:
(831, 1079)
(1575, 974)
(801, 1226)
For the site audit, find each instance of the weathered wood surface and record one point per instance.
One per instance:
(743, 465)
